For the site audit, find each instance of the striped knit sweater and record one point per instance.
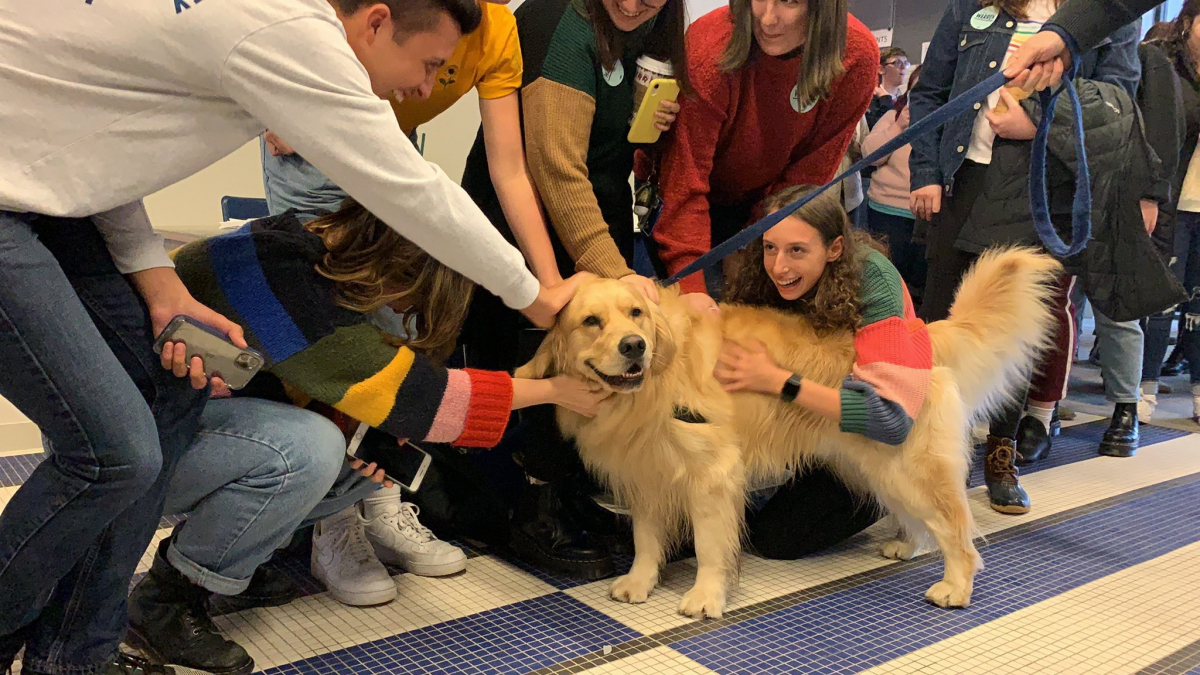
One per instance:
(263, 277)
(885, 391)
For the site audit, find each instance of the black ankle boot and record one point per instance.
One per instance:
(1121, 439)
(169, 622)
(268, 588)
(1174, 365)
(544, 535)
(1033, 441)
(1000, 473)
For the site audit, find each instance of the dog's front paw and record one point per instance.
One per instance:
(632, 588)
(899, 549)
(701, 602)
(946, 594)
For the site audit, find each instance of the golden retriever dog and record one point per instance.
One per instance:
(677, 449)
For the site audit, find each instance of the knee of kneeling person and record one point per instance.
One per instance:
(313, 447)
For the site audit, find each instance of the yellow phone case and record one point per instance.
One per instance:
(643, 130)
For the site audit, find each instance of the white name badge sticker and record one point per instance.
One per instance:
(984, 18)
(615, 76)
(795, 100)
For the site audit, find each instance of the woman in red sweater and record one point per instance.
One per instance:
(780, 86)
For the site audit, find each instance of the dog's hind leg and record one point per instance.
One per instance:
(717, 511)
(649, 553)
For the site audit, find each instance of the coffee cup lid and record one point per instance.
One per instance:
(651, 63)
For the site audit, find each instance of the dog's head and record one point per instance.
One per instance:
(610, 334)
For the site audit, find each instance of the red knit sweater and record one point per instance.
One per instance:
(739, 139)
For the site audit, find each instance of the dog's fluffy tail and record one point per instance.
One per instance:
(1000, 323)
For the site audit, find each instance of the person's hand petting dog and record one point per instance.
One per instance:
(749, 369)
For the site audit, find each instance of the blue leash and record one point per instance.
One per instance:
(1081, 223)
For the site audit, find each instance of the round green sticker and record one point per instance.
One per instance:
(616, 75)
(984, 18)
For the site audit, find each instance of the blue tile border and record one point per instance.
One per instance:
(815, 593)
(1181, 662)
(856, 629)
(516, 638)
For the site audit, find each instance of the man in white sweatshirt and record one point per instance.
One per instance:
(105, 102)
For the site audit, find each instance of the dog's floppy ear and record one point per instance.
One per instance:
(664, 341)
(547, 361)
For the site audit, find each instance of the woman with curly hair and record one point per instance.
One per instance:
(814, 264)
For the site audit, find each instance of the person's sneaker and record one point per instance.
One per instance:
(342, 559)
(400, 539)
(1147, 406)
(1005, 494)
(169, 622)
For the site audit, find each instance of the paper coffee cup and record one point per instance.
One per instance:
(648, 69)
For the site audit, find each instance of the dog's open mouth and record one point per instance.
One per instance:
(632, 377)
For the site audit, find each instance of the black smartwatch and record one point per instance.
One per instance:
(791, 389)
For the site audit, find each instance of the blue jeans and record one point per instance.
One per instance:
(291, 182)
(257, 471)
(76, 358)
(1186, 266)
(1121, 358)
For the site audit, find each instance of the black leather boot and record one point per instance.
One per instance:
(169, 622)
(543, 534)
(1001, 475)
(1121, 439)
(268, 588)
(1174, 365)
(1033, 441)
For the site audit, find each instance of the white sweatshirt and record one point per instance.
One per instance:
(103, 102)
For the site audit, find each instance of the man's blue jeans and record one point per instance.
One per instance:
(76, 358)
(256, 472)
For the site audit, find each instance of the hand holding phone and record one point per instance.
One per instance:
(645, 127)
(403, 464)
(189, 347)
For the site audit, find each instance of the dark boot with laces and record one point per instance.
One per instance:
(169, 622)
(1000, 473)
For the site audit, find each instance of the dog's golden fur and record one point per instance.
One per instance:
(672, 472)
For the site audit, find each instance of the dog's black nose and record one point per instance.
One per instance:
(632, 347)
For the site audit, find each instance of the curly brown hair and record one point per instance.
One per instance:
(833, 304)
(372, 265)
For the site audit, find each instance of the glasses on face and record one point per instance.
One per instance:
(898, 63)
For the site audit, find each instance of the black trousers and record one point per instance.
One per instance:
(809, 514)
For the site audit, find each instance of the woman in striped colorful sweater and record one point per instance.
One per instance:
(309, 298)
(814, 264)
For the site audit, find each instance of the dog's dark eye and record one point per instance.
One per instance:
(592, 320)
(635, 312)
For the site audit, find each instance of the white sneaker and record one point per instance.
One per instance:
(1147, 406)
(400, 539)
(343, 560)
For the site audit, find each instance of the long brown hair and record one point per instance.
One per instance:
(1014, 8)
(666, 41)
(824, 46)
(371, 265)
(833, 304)
(1176, 44)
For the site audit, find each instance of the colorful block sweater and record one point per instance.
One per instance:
(885, 391)
(575, 114)
(263, 277)
(743, 136)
